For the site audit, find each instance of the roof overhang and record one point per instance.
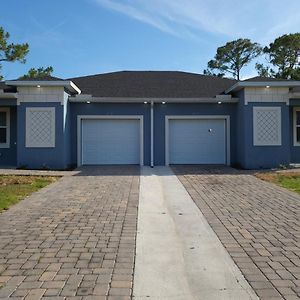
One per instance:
(8, 95)
(244, 84)
(68, 84)
(89, 98)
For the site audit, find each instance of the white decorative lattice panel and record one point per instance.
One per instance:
(40, 127)
(267, 126)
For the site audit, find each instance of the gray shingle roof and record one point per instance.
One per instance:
(264, 79)
(7, 88)
(152, 84)
(42, 78)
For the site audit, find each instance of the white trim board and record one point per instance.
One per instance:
(279, 83)
(89, 98)
(295, 143)
(35, 83)
(108, 117)
(198, 117)
(7, 144)
(8, 95)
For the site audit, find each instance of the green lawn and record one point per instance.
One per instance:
(288, 180)
(15, 188)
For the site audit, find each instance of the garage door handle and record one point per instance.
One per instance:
(210, 130)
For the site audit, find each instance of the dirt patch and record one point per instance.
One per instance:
(20, 179)
(276, 176)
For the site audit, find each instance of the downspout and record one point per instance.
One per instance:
(152, 134)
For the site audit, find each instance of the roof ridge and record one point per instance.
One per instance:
(153, 71)
(264, 78)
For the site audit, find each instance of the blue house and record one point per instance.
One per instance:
(149, 118)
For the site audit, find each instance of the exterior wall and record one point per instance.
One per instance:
(8, 102)
(41, 94)
(109, 109)
(8, 156)
(267, 156)
(240, 128)
(162, 110)
(39, 158)
(242, 150)
(262, 95)
(257, 157)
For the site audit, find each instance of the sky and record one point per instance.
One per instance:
(84, 37)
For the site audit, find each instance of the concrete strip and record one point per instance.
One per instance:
(178, 255)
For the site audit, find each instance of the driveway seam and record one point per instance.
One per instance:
(178, 254)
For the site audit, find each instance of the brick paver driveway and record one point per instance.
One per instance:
(72, 239)
(257, 222)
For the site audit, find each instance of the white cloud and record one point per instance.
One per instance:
(261, 20)
(137, 13)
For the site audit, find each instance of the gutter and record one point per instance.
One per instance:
(89, 98)
(8, 95)
(267, 84)
(40, 83)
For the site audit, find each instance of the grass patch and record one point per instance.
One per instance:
(14, 188)
(288, 180)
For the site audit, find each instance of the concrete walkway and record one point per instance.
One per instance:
(178, 256)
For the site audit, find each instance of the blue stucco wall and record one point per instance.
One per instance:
(8, 156)
(240, 128)
(243, 152)
(260, 157)
(162, 110)
(8, 102)
(38, 158)
(77, 109)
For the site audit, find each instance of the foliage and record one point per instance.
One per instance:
(10, 52)
(39, 72)
(15, 188)
(284, 57)
(232, 57)
(264, 71)
(288, 180)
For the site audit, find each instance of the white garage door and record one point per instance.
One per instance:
(110, 141)
(194, 141)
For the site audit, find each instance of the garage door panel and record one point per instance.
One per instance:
(110, 142)
(197, 141)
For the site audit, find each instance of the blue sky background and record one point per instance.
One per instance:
(82, 37)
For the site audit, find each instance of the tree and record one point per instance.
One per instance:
(232, 57)
(39, 72)
(284, 56)
(263, 71)
(11, 52)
